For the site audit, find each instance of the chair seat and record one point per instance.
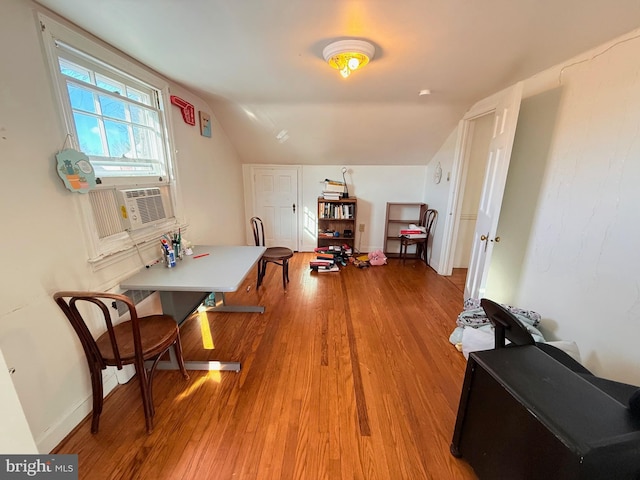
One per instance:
(277, 253)
(157, 333)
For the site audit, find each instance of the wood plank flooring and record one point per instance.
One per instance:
(347, 375)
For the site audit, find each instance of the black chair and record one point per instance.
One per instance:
(134, 341)
(278, 255)
(426, 221)
(507, 325)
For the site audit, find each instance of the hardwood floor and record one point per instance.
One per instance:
(347, 375)
(458, 278)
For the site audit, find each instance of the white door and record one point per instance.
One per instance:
(485, 235)
(275, 193)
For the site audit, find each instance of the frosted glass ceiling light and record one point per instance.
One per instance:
(348, 55)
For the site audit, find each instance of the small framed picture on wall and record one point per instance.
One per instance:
(205, 124)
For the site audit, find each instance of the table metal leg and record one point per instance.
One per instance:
(222, 306)
(172, 364)
(180, 305)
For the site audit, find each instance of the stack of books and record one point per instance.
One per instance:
(414, 231)
(324, 263)
(333, 189)
(329, 258)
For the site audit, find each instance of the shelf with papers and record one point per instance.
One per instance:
(400, 216)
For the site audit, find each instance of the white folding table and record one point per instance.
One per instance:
(211, 269)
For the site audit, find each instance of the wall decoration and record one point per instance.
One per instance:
(205, 124)
(437, 174)
(76, 171)
(188, 112)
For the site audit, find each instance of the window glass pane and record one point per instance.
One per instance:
(118, 140)
(138, 96)
(112, 107)
(89, 134)
(74, 71)
(81, 98)
(109, 84)
(145, 142)
(144, 116)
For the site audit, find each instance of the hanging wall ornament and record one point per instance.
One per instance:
(188, 110)
(76, 171)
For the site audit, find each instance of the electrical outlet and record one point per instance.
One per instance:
(361, 227)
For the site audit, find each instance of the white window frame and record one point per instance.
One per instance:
(105, 251)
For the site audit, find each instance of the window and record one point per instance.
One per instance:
(113, 111)
(117, 120)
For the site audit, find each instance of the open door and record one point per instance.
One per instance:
(485, 235)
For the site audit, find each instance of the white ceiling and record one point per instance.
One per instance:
(259, 65)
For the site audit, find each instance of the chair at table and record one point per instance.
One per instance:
(426, 221)
(278, 255)
(134, 341)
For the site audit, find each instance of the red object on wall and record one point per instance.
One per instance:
(188, 111)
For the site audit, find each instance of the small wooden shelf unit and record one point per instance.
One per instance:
(337, 216)
(400, 215)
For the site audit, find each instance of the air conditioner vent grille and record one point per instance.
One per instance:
(151, 209)
(140, 207)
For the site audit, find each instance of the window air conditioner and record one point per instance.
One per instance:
(141, 207)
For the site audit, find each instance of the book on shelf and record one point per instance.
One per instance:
(338, 211)
(331, 195)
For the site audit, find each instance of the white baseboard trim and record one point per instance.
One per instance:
(54, 435)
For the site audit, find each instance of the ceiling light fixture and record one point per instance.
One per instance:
(348, 55)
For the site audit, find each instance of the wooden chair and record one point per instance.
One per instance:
(426, 220)
(278, 255)
(134, 341)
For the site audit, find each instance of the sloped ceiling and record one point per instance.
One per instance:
(259, 65)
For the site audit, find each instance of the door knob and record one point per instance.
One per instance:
(497, 240)
(483, 237)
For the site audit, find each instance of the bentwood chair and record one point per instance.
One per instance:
(426, 221)
(278, 255)
(133, 341)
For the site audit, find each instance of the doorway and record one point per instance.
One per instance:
(502, 111)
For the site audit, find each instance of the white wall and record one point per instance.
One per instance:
(581, 268)
(437, 195)
(15, 435)
(44, 249)
(579, 254)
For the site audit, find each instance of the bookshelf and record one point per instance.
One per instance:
(400, 215)
(337, 216)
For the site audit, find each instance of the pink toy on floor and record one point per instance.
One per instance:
(377, 257)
